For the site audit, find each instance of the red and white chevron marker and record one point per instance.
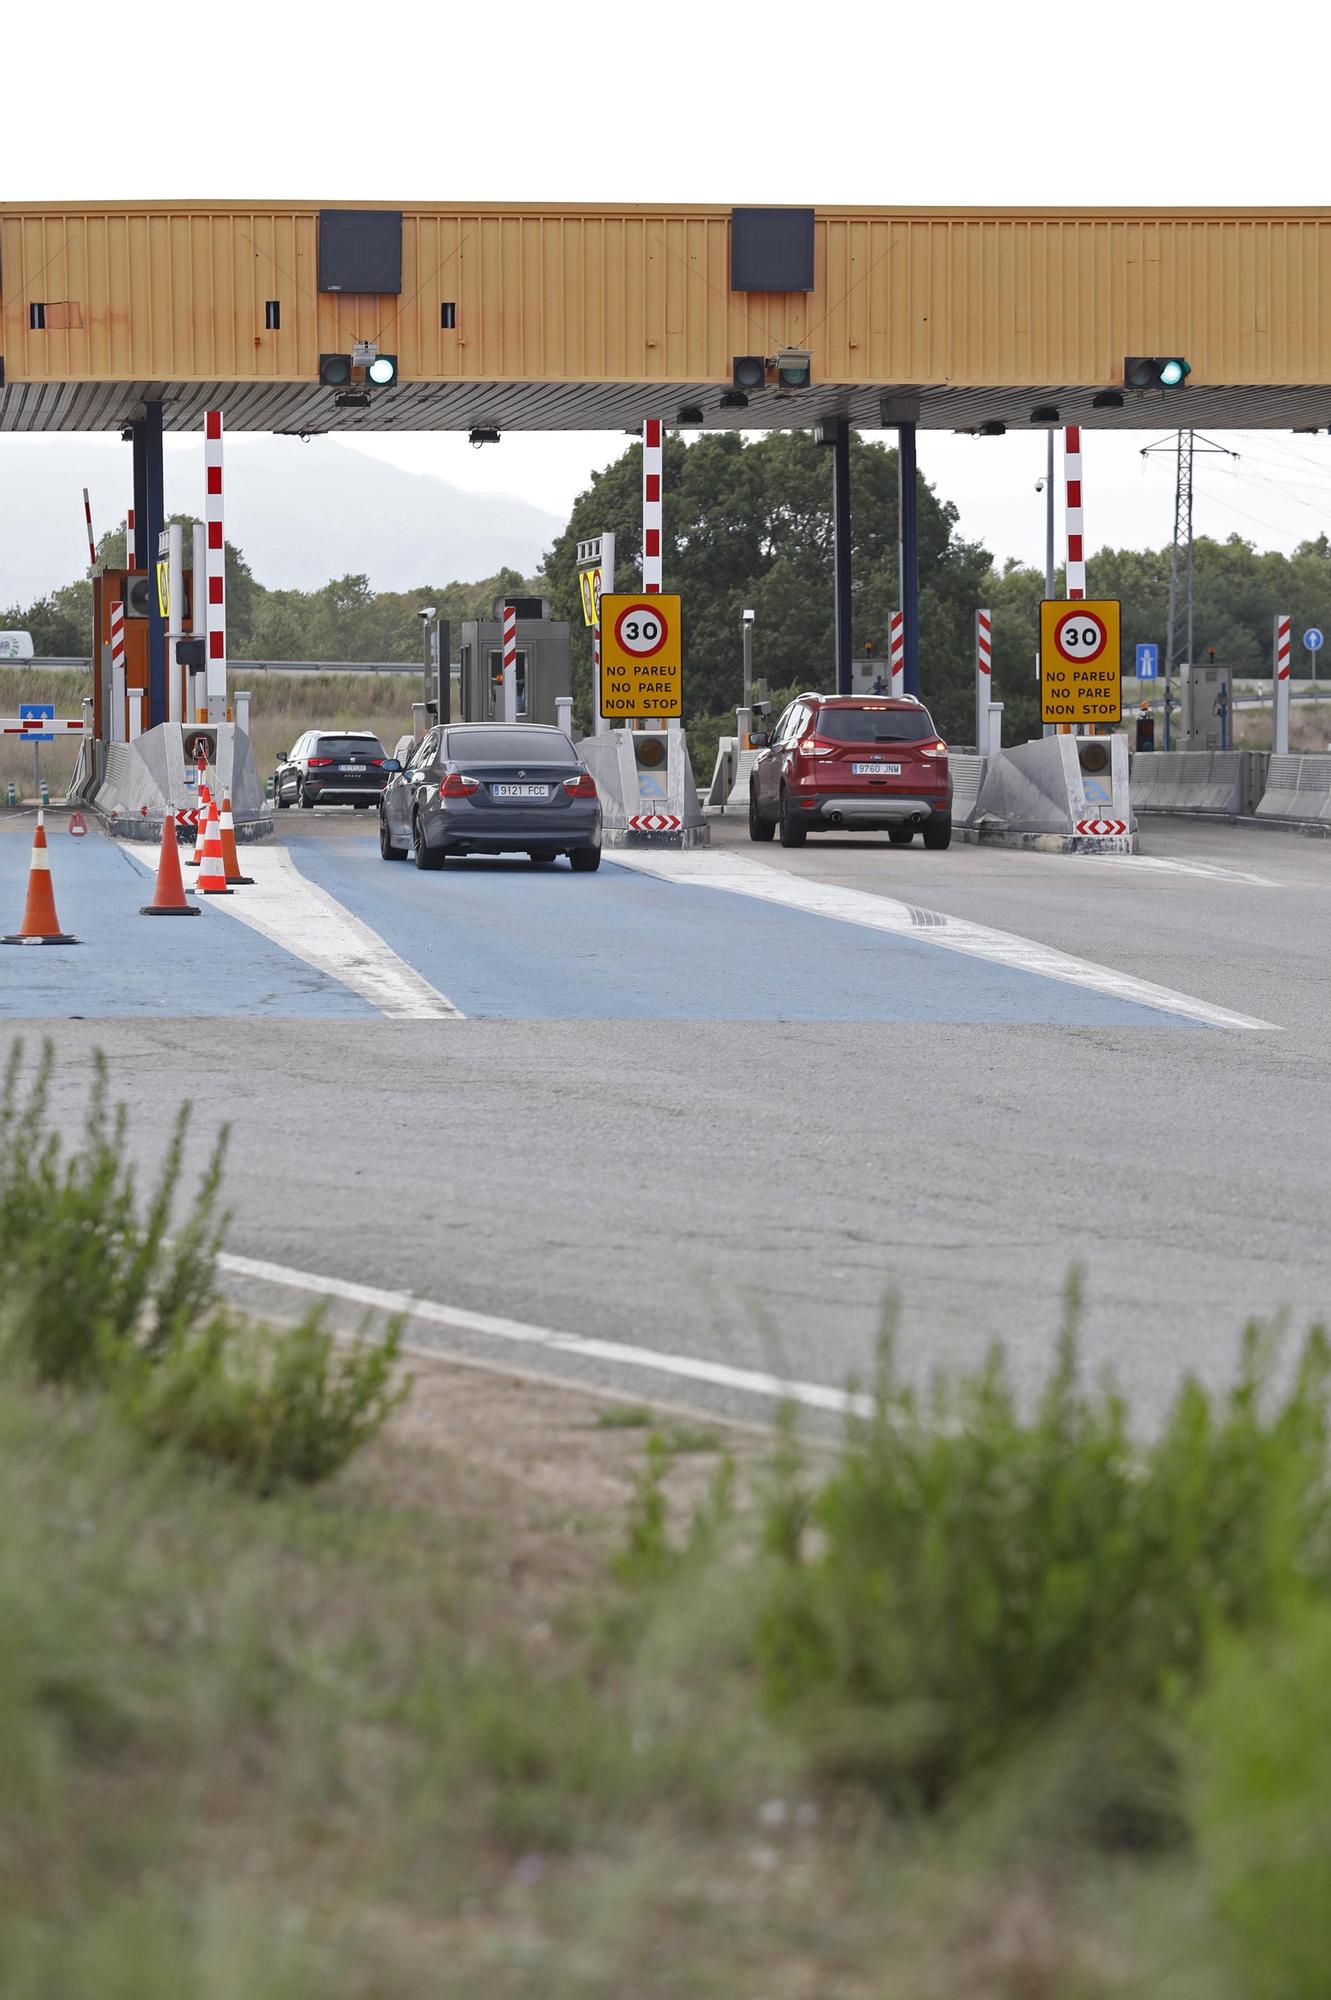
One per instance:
(92, 545)
(1102, 829)
(653, 467)
(119, 728)
(510, 681)
(1076, 533)
(896, 651)
(215, 683)
(655, 822)
(1280, 685)
(129, 539)
(984, 626)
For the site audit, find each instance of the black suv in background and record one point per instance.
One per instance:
(326, 767)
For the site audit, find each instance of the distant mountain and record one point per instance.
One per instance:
(302, 513)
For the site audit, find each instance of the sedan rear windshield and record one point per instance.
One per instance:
(873, 725)
(345, 748)
(510, 746)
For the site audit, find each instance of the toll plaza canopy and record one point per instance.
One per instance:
(549, 318)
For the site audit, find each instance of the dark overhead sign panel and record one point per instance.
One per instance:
(771, 249)
(360, 249)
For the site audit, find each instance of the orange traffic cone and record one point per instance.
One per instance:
(40, 922)
(230, 858)
(169, 901)
(201, 824)
(211, 878)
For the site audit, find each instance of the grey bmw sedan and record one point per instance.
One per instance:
(491, 788)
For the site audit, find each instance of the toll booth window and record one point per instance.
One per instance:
(874, 725)
(497, 680)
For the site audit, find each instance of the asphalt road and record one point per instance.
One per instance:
(696, 1123)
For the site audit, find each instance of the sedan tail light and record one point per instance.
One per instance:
(456, 786)
(581, 787)
(318, 763)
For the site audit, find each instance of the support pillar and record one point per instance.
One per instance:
(908, 555)
(149, 514)
(841, 546)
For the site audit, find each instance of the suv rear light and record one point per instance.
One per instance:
(809, 748)
(456, 786)
(933, 750)
(318, 763)
(581, 787)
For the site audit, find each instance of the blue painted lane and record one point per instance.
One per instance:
(510, 942)
(128, 964)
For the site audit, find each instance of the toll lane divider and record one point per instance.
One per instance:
(740, 877)
(1298, 789)
(1201, 783)
(284, 906)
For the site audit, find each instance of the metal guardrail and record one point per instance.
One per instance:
(235, 667)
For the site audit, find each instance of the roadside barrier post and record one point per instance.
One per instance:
(1280, 685)
(983, 679)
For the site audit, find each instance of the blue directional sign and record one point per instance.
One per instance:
(40, 708)
(1148, 663)
(1312, 639)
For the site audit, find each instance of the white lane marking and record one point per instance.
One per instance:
(688, 1367)
(739, 877)
(305, 920)
(1208, 871)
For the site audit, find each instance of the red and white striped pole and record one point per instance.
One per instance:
(119, 729)
(510, 682)
(1280, 686)
(1076, 584)
(129, 539)
(216, 556)
(653, 466)
(896, 651)
(92, 545)
(984, 686)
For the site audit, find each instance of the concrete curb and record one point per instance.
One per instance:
(1047, 843)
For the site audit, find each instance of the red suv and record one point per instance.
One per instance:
(853, 761)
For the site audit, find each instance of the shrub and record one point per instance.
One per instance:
(1259, 1769)
(967, 1573)
(86, 1269)
(295, 1404)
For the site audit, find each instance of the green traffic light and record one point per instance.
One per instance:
(1172, 373)
(382, 371)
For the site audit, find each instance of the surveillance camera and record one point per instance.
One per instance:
(747, 616)
(426, 611)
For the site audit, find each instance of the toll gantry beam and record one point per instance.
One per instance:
(544, 317)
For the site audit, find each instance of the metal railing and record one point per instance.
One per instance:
(237, 667)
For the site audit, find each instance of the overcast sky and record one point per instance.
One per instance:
(768, 103)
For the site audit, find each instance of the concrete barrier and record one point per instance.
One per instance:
(1039, 795)
(1298, 789)
(738, 801)
(141, 779)
(632, 793)
(1204, 782)
(967, 779)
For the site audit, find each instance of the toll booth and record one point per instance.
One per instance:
(868, 676)
(544, 671)
(1206, 708)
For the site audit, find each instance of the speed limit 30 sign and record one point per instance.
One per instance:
(1081, 678)
(642, 656)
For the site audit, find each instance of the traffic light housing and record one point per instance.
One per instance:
(1155, 371)
(748, 372)
(381, 373)
(335, 371)
(345, 371)
(794, 368)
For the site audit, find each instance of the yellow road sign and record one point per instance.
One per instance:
(1081, 671)
(589, 583)
(642, 655)
(164, 588)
